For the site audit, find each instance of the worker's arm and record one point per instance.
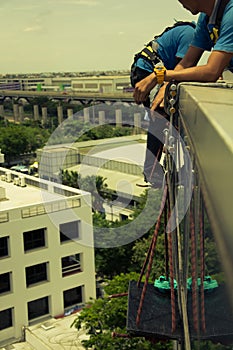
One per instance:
(209, 72)
(191, 58)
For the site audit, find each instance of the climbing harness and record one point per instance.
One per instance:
(149, 52)
(214, 30)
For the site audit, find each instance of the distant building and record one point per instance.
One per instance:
(46, 251)
(118, 160)
(100, 84)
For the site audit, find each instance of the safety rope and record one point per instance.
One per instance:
(194, 273)
(172, 278)
(202, 261)
(151, 255)
(155, 163)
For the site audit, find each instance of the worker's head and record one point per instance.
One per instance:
(191, 5)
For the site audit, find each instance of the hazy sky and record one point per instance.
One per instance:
(79, 35)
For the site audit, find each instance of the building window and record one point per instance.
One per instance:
(38, 308)
(34, 239)
(70, 265)
(72, 296)
(77, 86)
(69, 231)
(5, 282)
(6, 319)
(4, 247)
(91, 86)
(36, 273)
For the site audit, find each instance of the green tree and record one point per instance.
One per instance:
(104, 316)
(16, 140)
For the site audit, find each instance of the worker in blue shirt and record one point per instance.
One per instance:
(167, 49)
(212, 34)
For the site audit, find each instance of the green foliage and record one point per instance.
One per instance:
(16, 140)
(93, 184)
(104, 316)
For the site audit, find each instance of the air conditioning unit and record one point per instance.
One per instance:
(16, 181)
(8, 176)
(22, 182)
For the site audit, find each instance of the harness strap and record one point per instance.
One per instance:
(214, 33)
(149, 54)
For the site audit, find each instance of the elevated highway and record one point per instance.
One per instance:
(83, 97)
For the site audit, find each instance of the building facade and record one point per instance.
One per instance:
(46, 251)
(100, 84)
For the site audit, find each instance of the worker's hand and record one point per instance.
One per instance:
(158, 101)
(143, 88)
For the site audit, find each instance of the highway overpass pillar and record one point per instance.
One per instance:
(21, 113)
(36, 112)
(69, 112)
(137, 122)
(86, 115)
(16, 112)
(118, 117)
(101, 117)
(2, 112)
(44, 115)
(60, 114)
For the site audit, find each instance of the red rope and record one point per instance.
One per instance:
(152, 252)
(194, 273)
(155, 162)
(118, 295)
(120, 335)
(145, 264)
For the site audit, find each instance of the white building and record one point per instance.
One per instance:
(46, 251)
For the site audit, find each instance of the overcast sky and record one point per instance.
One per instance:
(79, 35)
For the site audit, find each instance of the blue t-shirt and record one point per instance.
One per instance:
(172, 44)
(224, 43)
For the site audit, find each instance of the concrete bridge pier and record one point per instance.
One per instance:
(101, 117)
(137, 122)
(2, 111)
(86, 115)
(44, 115)
(16, 112)
(36, 112)
(21, 113)
(69, 112)
(118, 117)
(60, 114)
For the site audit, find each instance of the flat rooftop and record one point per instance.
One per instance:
(15, 196)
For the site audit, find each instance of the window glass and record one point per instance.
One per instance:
(4, 247)
(69, 231)
(5, 285)
(36, 273)
(6, 319)
(72, 296)
(37, 308)
(34, 239)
